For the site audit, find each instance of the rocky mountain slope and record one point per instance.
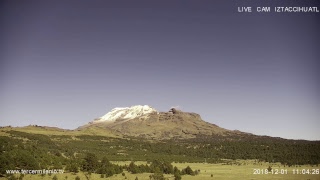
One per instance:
(145, 121)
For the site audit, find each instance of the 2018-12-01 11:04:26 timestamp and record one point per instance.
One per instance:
(285, 171)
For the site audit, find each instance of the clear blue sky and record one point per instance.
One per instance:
(64, 63)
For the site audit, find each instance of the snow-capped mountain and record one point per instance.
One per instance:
(147, 122)
(126, 113)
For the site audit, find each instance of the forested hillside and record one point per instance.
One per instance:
(36, 151)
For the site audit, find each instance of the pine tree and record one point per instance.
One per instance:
(90, 163)
(177, 176)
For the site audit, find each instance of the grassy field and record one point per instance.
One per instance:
(95, 131)
(230, 169)
(220, 171)
(234, 170)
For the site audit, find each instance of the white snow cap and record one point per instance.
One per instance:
(127, 112)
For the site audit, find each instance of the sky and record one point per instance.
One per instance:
(65, 63)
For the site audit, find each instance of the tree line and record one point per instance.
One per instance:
(35, 151)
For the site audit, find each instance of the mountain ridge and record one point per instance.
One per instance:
(173, 124)
(127, 113)
(157, 125)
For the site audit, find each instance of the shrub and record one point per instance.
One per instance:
(269, 169)
(177, 176)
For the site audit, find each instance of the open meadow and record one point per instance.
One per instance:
(245, 171)
(37, 148)
(234, 170)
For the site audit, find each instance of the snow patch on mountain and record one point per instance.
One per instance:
(127, 113)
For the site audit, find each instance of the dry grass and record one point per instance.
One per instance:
(218, 171)
(228, 172)
(57, 131)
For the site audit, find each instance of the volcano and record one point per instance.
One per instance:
(146, 122)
